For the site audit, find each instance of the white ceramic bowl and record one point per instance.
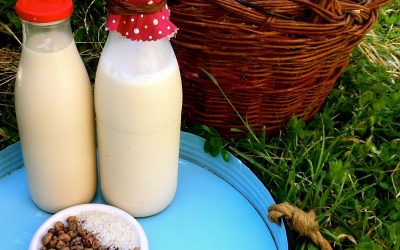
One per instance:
(140, 236)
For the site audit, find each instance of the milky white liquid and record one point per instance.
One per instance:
(138, 126)
(55, 115)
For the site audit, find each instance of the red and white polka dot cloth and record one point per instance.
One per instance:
(142, 27)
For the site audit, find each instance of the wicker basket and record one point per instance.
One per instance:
(273, 59)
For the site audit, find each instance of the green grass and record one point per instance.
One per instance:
(344, 164)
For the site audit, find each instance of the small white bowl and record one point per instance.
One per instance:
(139, 234)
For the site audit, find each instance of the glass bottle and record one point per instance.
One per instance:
(54, 108)
(138, 103)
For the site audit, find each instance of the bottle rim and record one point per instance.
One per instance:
(45, 24)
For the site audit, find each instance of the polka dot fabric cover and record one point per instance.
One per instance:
(142, 27)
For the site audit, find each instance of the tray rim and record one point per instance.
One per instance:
(191, 149)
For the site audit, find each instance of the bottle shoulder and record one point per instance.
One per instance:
(136, 57)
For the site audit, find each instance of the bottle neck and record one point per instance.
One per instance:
(47, 37)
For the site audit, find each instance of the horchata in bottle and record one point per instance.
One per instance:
(138, 102)
(54, 108)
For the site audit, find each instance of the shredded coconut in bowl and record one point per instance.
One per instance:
(111, 230)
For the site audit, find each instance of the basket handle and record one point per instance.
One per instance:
(262, 9)
(331, 10)
(328, 10)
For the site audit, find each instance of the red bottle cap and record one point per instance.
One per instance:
(44, 11)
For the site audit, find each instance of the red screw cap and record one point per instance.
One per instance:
(44, 11)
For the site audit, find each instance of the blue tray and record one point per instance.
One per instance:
(217, 206)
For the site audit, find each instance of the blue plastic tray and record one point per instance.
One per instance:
(217, 206)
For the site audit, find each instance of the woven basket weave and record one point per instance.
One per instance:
(273, 59)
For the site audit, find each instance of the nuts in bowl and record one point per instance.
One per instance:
(94, 226)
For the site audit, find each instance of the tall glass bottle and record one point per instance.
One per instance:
(54, 108)
(138, 102)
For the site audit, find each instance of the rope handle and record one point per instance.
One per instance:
(302, 222)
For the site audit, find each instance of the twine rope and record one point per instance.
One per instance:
(122, 7)
(300, 221)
